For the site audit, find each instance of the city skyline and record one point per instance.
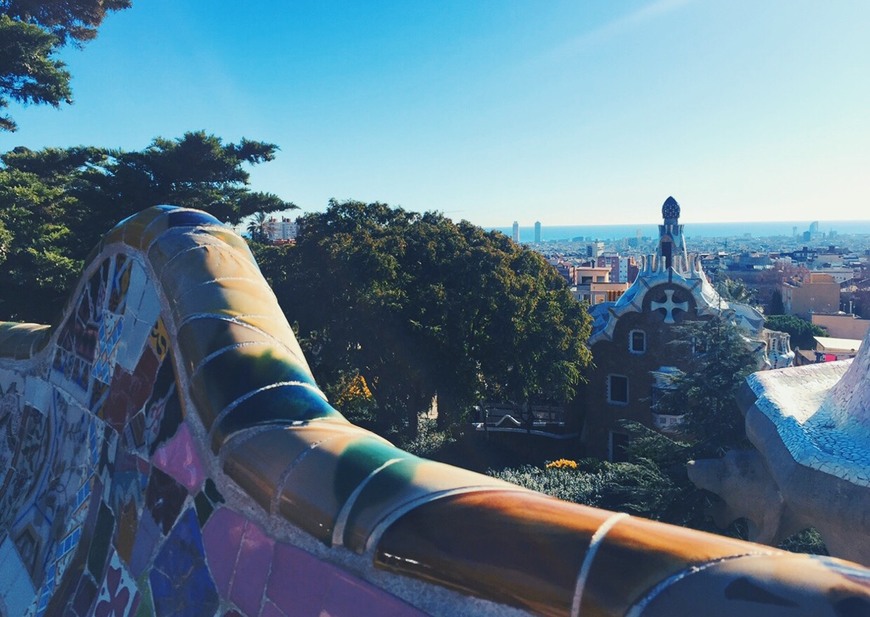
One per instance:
(562, 112)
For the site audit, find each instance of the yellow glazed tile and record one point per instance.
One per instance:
(259, 462)
(762, 586)
(155, 227)
(174, 244)
(404, 485)
(230, 297)
(234, 240)
(135, 226)
(523, 549)
(656, 552)
(216, 260)
(199, 338)
(113, 236)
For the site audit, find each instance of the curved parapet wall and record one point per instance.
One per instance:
(164, 450)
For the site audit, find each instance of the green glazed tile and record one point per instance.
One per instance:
(317, 488)
(277, 327)
(280, 405)
(241, 370)
(21, 340)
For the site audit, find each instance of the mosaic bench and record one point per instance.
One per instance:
(811, 428)
(165, 450)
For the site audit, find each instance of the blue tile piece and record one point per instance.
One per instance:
(180, 581)
(147, 536)
(190, 218)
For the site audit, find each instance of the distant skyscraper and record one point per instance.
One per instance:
(538, 231)
(516, 232)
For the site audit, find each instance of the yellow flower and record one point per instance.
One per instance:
(356, 389)
(562, 463)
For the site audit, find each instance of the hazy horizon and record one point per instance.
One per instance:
(755, 229)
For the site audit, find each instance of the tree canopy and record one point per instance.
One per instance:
(56, 203)
(800, 330)
(705, 394)
(415, 305)
(735, 290)
(31, 33)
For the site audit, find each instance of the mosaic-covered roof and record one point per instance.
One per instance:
(685, 272)
(670, 209)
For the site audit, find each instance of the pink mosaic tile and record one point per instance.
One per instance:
(178, 457)
(298, 582)
(222, 538)
(348, 595)
(270, 610)
(252, 569)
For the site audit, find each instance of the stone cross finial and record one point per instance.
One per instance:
(669, 306)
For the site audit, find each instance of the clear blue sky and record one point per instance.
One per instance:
(577, 111)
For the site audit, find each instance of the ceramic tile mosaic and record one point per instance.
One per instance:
(811, 426)
(165, 450)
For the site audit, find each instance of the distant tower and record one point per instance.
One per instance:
(516, 234)
(538, 232)
(671, 241)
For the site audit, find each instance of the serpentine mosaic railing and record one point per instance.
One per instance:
(166, 451)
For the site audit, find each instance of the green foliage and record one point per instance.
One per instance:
(652, 483)
(567, 484)
(776, 305)
(679, 501)
(800, 330)
(705, 394)
(639, 488)
(258, 227)
(70, 21)
(419, 305)
(429, 441)
(735, 290)
(28, 73)
(5, 242)
(56, 203)
(806, 541)
(31, 33)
